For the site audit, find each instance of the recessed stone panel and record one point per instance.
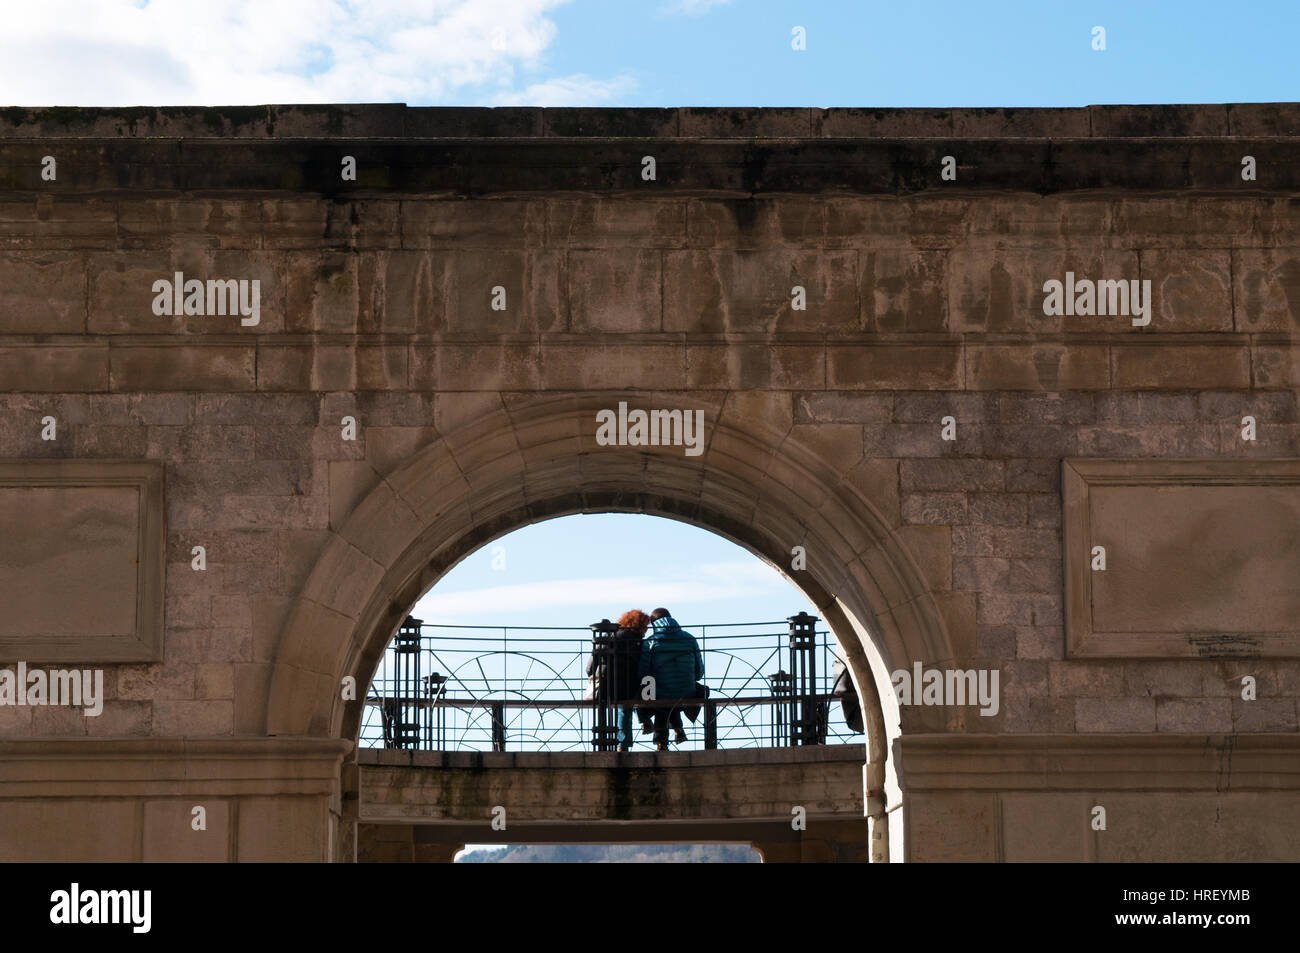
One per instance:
(1202, 558)
(81, 561)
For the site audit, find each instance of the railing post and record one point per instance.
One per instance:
(387, 719)
(823, 705)
(779, 682)
(710, 725)
(434, 714)
(406, 684)
(804, 717)
(498, 726)
(604, 731)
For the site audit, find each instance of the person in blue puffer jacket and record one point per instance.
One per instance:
(671, 656)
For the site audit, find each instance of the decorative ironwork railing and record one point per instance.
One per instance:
(481, 688)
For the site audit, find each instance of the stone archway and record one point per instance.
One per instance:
(538, 460)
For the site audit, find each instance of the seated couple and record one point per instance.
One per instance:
(667, 654)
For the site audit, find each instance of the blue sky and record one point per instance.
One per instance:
(576, 570)
(646, 52)
(866, 53)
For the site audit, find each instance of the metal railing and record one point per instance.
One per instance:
(485, 688)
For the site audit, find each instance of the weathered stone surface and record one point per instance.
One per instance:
(738, 291)
(45, 294)
(1199, 716)
(1266, 289)
(1145, 366)
(182, 368)
(72, 368)
(1051, 367)
(899, 367)
(1264, 714)
(1245, 827)
(91, 830)
(569, 787)
(1115, 714)
(924, 300)
(170, 835)
(1167, 590)
(1003, 290)
(614, 293)
(1158, 120)
(81, 561)
(1046, 828)
(1191, 291)
(904, 290)
(952, 827)
(189, 718)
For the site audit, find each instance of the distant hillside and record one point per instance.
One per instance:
(612, 854)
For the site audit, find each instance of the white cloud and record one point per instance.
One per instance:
(692, 8)
(238, 52)
(578, 90)
(705, 583)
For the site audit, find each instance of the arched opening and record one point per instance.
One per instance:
(514, 465)
(498, 656)
(503, 656)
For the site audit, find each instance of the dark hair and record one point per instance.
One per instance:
(659, 614)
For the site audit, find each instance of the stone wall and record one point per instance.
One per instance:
(589, 788)
(792, 804)
(924, 301)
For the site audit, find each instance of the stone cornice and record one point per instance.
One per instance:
(717, 168)
(1160, 762)
(162, 767)
(569, 760)
(397, 120)
(127, 363)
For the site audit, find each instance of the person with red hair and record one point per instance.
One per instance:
(634, 619)
(624, 687)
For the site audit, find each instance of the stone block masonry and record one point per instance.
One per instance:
(804, 280)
